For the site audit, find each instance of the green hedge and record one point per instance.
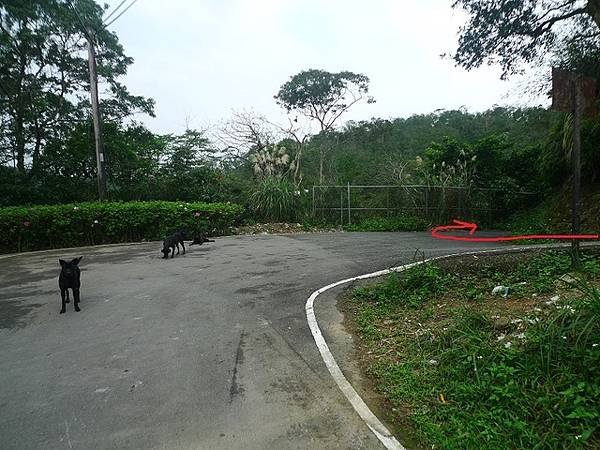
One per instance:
(73, 225)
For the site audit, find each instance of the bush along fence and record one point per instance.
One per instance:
(93, 223)
(351, 204)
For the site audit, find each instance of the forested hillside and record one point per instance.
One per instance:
(47, 151)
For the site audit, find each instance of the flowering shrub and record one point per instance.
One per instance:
(70, 225)
(271, 162)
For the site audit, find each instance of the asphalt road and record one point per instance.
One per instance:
(207, 350)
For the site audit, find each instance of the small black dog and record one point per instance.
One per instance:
(173, 241)
(200, 238)
(69, 278)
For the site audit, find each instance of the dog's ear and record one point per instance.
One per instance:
(76, 260)
(62, 262)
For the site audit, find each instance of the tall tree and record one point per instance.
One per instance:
(43, 72)
(67, 168)
(510, 32)
(188, 170)
(323, 97)
(189, 150)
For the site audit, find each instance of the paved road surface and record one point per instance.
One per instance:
(204, 351)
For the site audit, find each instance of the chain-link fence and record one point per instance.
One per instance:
(353, 203)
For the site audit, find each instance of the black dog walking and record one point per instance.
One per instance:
(171, 242)
(69, 278)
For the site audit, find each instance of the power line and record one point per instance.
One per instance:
(114, 10)
(120, 14)
(86, 29)
(74, 8)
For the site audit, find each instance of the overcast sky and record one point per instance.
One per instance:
(201, 59)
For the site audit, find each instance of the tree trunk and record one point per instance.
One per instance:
(37, 148)
(20, 115)
(576, 167)
(321, 157)
(20, 141)
(297, 163)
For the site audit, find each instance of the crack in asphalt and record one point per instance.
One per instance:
(235, 389)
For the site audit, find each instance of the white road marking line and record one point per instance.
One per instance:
(374, 424)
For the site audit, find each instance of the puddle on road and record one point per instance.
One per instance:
(14, 313)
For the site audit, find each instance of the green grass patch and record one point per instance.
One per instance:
(476, 371)
(411, 288)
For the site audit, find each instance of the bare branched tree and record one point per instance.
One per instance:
(246, 132)
(395, 170)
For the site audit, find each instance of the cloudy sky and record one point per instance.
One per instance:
(201, 59)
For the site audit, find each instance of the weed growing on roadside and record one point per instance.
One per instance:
(464, 385)
(411, 288)
(398, 223)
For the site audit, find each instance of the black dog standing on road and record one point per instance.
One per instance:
(69, 278)
(200, 238)
(171, 242)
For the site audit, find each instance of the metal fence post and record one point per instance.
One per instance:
(468, 202)
(427, 202)
(388, 202)
(349, 204)
(341, 207)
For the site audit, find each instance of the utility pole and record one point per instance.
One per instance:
(90, 35)
(576, 165)
(96, 116)
(575, 93)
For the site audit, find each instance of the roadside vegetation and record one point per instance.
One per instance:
(397, 223)
(461, 368)
(551, 216)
